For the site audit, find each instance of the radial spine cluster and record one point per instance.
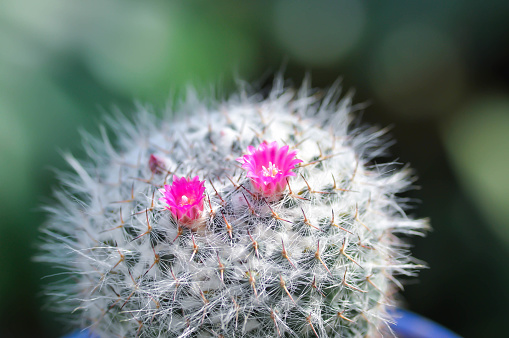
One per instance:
(252, 217)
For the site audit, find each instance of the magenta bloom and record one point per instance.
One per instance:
(268, 166)
(184, 199)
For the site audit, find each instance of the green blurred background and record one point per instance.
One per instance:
(437, 71)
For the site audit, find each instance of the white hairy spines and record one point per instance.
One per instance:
(319, 261)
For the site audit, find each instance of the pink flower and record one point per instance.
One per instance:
(184, 199)
(156, 164)
(268, 166)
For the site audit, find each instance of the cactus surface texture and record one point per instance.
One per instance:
(299, 246)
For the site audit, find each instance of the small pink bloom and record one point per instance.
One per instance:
(268, 166)
(156, 164)
(184, 199)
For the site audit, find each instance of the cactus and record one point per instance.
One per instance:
(286, 228)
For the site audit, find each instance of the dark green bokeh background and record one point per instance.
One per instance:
(437, 71)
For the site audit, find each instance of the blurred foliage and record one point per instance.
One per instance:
(436, 71)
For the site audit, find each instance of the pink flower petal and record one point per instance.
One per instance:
(268, 166)
(184, 199)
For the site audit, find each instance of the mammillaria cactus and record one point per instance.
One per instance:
(253, 217)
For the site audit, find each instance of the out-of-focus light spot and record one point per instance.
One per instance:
(129, 51)
(17, 51)
(417, 71)
(318, 33)
(149, 50)
(47, 22)
(477, 140)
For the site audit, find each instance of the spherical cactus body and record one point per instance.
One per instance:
(253, 217)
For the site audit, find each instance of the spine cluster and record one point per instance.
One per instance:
(256, 217)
